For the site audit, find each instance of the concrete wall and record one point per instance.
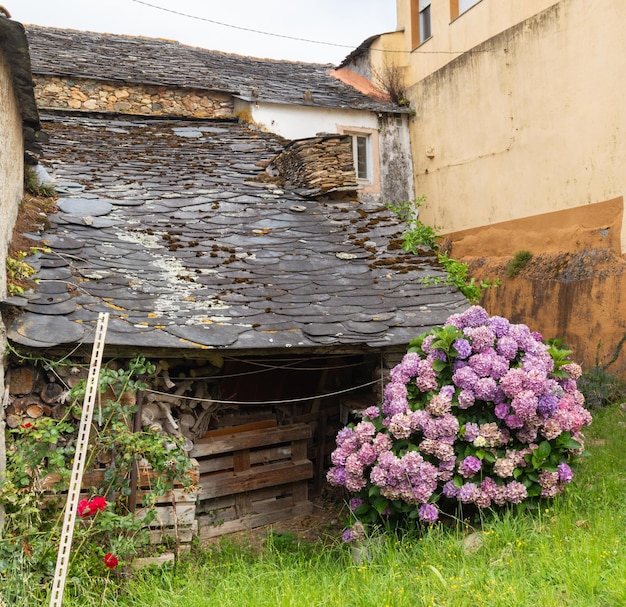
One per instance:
(572, 287)
(11, 164)
(396, 175)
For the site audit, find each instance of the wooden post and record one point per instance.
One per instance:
(134, 473)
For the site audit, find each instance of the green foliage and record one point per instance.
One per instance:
(568, 554)
(18, 271)
(33, 186)
(600, 387)
(519, 261)
(420, 235)
(45, 447)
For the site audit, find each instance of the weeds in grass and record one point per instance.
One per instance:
(570, 552)
(599, 386)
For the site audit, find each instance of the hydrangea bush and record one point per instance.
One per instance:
(480, 412)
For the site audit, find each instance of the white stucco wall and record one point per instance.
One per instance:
(300, 122)
(11, 164)
(393, 174)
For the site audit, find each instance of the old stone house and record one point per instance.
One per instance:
(245, 260)
(516, 146)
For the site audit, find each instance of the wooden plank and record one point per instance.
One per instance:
(185, 535)
(258, 425)
(145, 561)
(255, 520)
(300, 491)
(185, 515)
(249, 440)
(95, 479)
(228, 501)
(241, 463)
(260, 456)
(179, 495)
(256, 478)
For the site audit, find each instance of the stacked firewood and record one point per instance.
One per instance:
(178, 406)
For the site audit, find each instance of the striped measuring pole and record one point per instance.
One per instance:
(69, 518)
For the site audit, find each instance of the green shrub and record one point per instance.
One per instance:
(599, 386)
(520, 260)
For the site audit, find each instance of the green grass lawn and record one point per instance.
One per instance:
(571, 551)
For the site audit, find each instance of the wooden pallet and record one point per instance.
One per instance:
(253, 477)
(175, 509)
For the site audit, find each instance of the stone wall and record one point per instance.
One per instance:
(88, 95)
(11, 163)
(319, 165)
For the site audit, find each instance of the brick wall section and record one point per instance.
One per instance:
(53, 92)
(319, 164)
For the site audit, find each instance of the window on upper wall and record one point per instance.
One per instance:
(458, 7)
(362, 155)
(421, 22)
(426, 30)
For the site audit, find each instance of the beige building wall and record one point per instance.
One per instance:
(11, 164)
(528, 118)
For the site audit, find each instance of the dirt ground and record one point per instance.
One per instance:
(325, 524)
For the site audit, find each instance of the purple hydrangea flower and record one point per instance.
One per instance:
(469, 466)
(565, 473)
(463, 347)
(428, 513)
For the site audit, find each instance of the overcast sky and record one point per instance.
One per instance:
(344, 23)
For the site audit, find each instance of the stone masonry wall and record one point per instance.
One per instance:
(319, 164)
(11, 163)
(53, 92)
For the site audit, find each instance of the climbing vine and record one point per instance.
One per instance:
(418, 235)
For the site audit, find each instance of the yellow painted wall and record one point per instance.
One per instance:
(529, 121)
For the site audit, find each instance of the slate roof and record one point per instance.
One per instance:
(173, 227)
(152, 61)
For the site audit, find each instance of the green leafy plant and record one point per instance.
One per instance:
(33, 186)
(419, 235)
(600, 387)
(40, 456)
(520, 260)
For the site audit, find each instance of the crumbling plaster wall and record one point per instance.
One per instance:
(396, 163)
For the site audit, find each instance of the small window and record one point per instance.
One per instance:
(361, 152)
(458, 7)
(426, 30)
(421, 22)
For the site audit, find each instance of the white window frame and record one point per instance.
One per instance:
(371, 183)
(359, 162)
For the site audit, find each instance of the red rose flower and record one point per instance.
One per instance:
(87, 508)
(110, 560)
(84, 508)
(27, 425)
(97, 503)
